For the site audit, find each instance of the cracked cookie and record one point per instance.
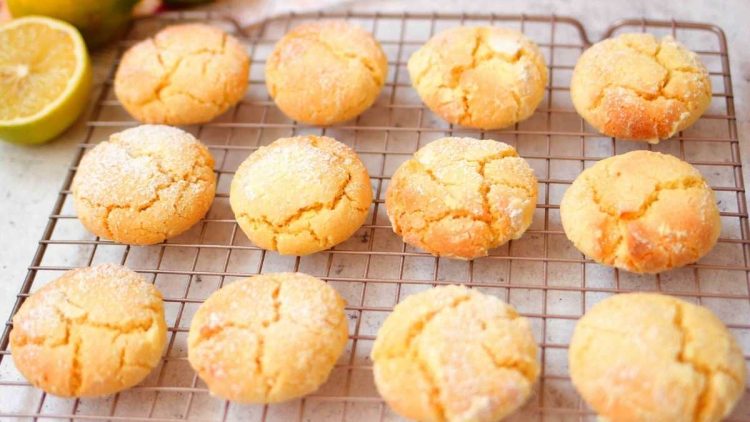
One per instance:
(144, 185)
(481, 77)
(301, 195)
(92, 332)
(326, 72)
(455, 354)
(651, 357)
(637, 87)
(268, 338)
(185, 74)
(460, 197)
(642, 211)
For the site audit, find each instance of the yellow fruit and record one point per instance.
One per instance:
(45, 78)
(98, 20)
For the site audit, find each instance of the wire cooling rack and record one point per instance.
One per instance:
(541, 274)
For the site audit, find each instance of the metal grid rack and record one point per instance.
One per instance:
(541, 274)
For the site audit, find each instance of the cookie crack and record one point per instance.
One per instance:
(515, 365)
(415, 332)
(456, 72)
(271, 381)
(662, 85)
(168, 73)
(697, 367)
(623, 218)
(189, 178)
(679, 184)
(484, 189)
(375, 75)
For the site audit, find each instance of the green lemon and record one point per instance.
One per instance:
(98, 20)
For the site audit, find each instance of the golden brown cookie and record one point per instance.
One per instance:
(460, 197)
(185, 74)
(144, 185)
(642, 211)
(326, 72)
(268, 338)
(301, 195)
(455, 354)
(94, 331)
(482, 77)
(637, 87)
(650, 357)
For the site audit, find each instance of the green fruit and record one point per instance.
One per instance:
(98, 20)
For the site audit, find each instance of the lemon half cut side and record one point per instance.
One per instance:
(45, 78)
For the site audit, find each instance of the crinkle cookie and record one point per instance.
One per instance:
(481, 77)
(637, 87)
(185, 74)
(461, 197)
(326, 72)
(144, 185)
(268, 338)
(301, 195)
(455, 354)
(650, 357)
(92, 332)
(641, 211)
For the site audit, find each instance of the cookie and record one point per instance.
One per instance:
(481, 77)
(637, 87)
(460, 197)
(454, 354)
(632, 354)
(144, 185)
(92, 332)
(185, 74)
(268, 338)
(301, 195)
(326, 72)
(641, 211)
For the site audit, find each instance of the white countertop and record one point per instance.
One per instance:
(30, 177)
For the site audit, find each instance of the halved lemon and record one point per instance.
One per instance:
(45, 78)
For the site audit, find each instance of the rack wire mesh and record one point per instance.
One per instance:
(541, 274)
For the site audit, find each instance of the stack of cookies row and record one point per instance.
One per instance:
(445, 354)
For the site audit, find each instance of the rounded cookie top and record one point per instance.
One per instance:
(268, 338)
(632, 353)
(637, 87)
(94, 331)
(185, 74)
(482, 77)
(460, 197)
(454, 354)
(301, 195)
(326, 72)
(641, 211)
(144, 185)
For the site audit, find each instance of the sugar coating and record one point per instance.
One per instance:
(301, 195)
(483, 77)
(144, 185)
(92, 332)
(637, 87)
(460, 197)
(268, 338)
(326, 72)
(185, 74)
(455, 354)
(642, 211)
(632, 353)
